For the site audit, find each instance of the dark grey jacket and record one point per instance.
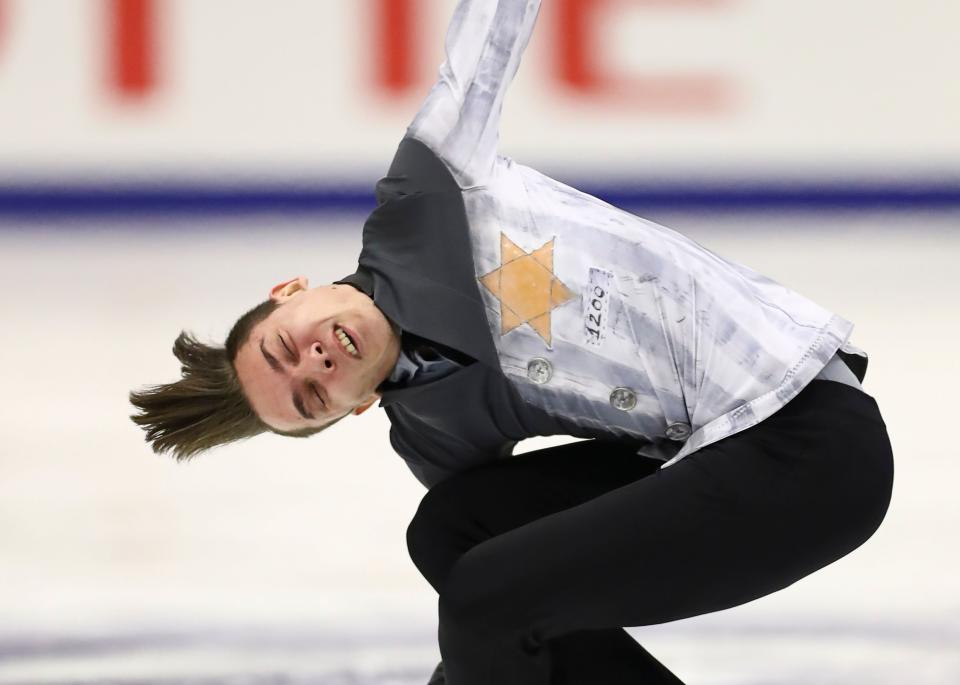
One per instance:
(583, 319)
(417, 266)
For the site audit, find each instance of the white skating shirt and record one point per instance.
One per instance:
(599, 316)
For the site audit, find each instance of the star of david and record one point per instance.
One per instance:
(526, 287)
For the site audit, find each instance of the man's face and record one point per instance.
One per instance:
(297, 372)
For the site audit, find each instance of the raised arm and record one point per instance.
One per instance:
(460, 118)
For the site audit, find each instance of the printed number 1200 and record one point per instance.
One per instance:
(596, 305)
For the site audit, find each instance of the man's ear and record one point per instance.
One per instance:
(284, 291)
(363, 407)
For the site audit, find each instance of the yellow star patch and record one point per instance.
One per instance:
(526, 287)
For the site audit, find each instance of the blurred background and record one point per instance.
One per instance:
(163, 163)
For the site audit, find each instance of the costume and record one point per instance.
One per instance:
(584, 320)
(717, 471)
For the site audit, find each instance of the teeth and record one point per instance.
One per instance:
(345, 341)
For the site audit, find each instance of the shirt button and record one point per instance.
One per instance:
(623, 399)
(678, 431)
(539, 370)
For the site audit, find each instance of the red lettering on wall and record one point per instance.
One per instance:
(396, 63)
(132, 47)
(578, 45)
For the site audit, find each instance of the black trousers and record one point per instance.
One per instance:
(540, 560)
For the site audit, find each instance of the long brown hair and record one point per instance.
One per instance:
(206, 407)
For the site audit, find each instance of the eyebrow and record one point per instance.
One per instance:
(275, 365)
(298, 403)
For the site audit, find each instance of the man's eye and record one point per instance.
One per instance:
(284, 343)
(317, 393)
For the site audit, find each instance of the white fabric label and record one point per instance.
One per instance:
(596, 305)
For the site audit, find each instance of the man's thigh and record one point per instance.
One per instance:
(735, 521)
(476, 505)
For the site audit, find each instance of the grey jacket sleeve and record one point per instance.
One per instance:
(460, 119)
(428, 474)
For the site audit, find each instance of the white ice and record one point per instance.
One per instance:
(283, 561)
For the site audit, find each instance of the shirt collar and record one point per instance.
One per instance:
(404, 370)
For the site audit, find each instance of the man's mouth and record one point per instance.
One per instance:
(346, 342)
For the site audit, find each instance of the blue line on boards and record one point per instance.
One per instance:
(297, 198)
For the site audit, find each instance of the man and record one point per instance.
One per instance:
(731, 447)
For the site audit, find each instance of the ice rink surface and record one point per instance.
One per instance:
(283, 561)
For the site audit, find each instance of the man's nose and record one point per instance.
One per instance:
(320, 358)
